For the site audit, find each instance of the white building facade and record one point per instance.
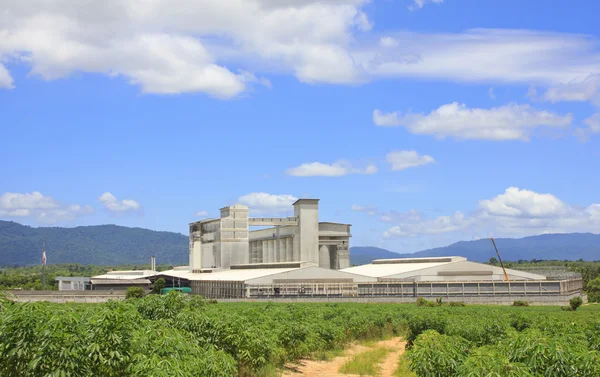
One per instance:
(226, 241)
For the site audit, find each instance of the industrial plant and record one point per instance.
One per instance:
(300, 258)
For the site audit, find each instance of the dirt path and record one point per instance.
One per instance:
(390, 364)
(314, 368)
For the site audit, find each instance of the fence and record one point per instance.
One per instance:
(457, 289)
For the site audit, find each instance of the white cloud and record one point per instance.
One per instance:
(388, 42)
(167, 51)
(585, 90)
(486, 56)
(370, 210)
(43, 209)
(516, 212)
(401, 160)
(442, 224)
(491, 93)
(262, 202)
(111, 203)
(524, 203)
(337, 169)
(6, 81)
(593, 122)
(418, 4)
(202, 214)
(208, 47)
(510, 122)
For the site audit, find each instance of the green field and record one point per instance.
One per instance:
(175, 335)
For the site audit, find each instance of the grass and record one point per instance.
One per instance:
(366, 363)
(403, 369)
(328, 355)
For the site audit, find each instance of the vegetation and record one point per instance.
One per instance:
(21, 245)
(520, 303)
(159, 284)
(30, 277)
(134, 292)
(593, 290)
(177, 335)
(403, 369)
(365, 363)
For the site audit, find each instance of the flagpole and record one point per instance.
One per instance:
(43, 266)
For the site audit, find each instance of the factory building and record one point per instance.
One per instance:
(228, 240)
(300, 258)
(437, 269)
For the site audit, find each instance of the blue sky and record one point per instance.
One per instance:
(421, 123)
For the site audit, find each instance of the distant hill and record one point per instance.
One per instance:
(569, 246)
(112, 245)
(365, 254)
(101, 244)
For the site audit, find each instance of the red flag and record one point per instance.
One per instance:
(44, 257)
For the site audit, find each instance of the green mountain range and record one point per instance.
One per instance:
(114, 245)
(99, 244)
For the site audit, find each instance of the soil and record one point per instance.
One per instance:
(315, 368)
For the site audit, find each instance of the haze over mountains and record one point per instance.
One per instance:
(112, 245)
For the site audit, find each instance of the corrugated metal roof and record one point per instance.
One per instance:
(227, 275)
(135, 274)
(381, 270)
(120, 281)
(72, 278)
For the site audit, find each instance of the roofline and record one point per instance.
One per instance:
(306, 200)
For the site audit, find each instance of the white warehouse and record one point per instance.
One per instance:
(437, 269)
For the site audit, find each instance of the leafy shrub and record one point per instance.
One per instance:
(546, 356)
(489, 361)
(167, 306)
(422, 302)
(159, 284)
(521, 322)
(420, 324)
(134, 292)
(575, 302)
(520, 303)
(457, 303)
(481, 332)
(434, 354)
(593, 290)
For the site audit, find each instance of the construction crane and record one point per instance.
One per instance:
(500, 260)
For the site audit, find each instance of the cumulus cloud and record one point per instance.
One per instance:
(262, 202)
(516, 212)
(524, 203)
(166, 52)
(418, 4)
(40, 208)
(337, 169)
(400, 160)
(110, 202)
(202, 214)
(370, 210)
(210, 46)
(510, 122)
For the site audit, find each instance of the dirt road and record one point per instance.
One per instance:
(313, 368)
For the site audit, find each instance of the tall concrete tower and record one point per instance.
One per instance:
(306, 235)
(234, 246)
